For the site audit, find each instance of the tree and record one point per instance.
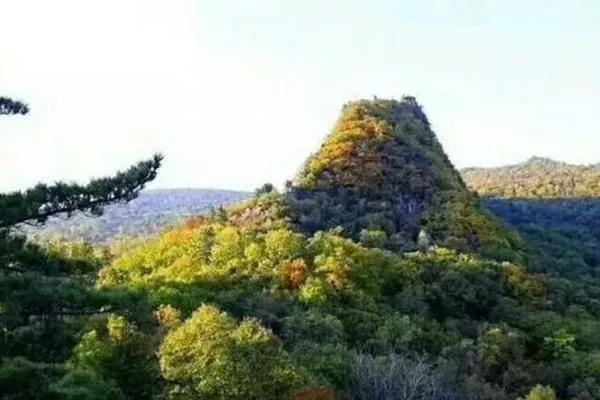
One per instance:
(9, 106)
(211, 356)
(560, 343)
(264, 189)
(43, 201)
(540, 392)
(396, 377)
(113, 361)
(42, 291)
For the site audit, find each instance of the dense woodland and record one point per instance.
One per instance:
(376, 274)
(536, 178)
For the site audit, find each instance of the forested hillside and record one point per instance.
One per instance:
(376, 274)
(557, 211)
(537, 177)
(382, 173)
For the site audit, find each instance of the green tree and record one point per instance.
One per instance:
(561, 343)
(114, 360)
(540, 392)
(43, 291)
(9, 106)
(211, 356)
(265, 189)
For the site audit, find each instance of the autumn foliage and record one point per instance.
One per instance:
(382, 169)
(375, 275)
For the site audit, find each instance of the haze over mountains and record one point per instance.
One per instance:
(153, 211)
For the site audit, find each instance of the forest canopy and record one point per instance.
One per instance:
(376, 274)
(537, 177)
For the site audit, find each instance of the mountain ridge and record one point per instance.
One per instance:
(534, 160)
(383, 169)
(536, 177)
(153, 211)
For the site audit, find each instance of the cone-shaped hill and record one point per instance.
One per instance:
(383, 176)
(321, 311)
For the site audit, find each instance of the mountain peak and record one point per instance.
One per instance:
(537, 177)
(383, 169)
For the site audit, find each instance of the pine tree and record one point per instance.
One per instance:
(9, 106)
(41, 290)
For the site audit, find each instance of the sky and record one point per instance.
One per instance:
(236, 93)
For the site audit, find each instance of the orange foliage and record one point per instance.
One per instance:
(296, 272)
(178, 237)
(167, 316)
(315, 394)
(194, 222)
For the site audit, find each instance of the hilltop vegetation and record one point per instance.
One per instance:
(537, 177)
(382, 172)
(376, 274)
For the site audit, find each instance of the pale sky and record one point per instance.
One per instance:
(236, 93)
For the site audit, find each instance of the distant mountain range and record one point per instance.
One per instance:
(554, 205)
(151, 212)
(538, 177)
(157, 209)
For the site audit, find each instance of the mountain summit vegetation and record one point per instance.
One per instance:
(376, 274)
(382, 172)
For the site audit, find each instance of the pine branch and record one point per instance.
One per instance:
(9, 107)
(43, 201)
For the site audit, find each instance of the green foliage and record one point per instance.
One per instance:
(377, 274)
(565, 245)
(327, 363)
(265, 189)
(540, 392)
(43, 201)
(115, 357)
(373, 238)
(214, 357)
(382, 169)
(86, 384)
(560, 344)
(9, 106)
(327, 297)
(21, 379)
(536, 178)
(264, 212)
(47, 291)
